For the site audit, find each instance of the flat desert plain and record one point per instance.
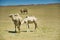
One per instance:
(48, 20)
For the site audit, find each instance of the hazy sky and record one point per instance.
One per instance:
(24, 2)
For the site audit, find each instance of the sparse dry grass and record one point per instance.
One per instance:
(48, 23)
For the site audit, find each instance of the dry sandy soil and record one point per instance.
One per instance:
(48, 20)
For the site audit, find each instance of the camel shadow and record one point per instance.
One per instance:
(12, 31)
(23, 31)
(26, 31)
(16, 32)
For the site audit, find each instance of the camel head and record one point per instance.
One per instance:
(16, 14)
(11, 15)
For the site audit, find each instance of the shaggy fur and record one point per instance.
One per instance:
(17, 20)
(30, 19)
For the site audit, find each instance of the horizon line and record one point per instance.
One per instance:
(31, 4)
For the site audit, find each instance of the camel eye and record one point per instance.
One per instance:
(24, 21)
(16, 15)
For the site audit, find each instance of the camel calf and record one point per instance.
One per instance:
(30, 19)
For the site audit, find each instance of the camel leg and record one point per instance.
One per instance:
(28, 28)
(18, 28)
(27, 12)
(35, 25)
(15, 28)
(23, 12)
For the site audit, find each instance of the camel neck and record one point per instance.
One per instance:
(13, 17)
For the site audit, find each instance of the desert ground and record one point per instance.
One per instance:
(48, 20)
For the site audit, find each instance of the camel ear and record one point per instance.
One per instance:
(10, 15)
(16, 14)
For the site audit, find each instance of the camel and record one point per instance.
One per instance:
(29, 20)
(24, 11)
(16, 20)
